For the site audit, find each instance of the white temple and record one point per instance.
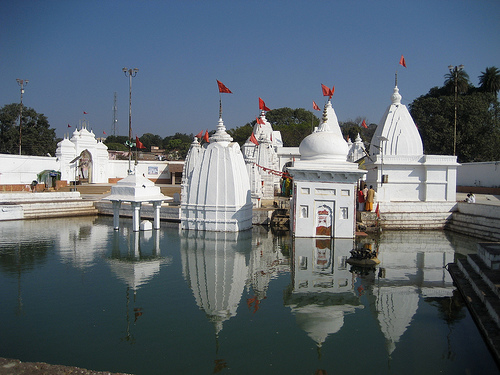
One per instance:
(215, 186)
(83, 157)
(401, 173)
(324, 183)
(357, 150)
(262, 158)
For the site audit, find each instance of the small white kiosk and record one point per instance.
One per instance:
(136, 189)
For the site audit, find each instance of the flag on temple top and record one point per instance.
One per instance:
(205, 137)
(103, 132)
(315, 106)
(138, 143)
(363, 124)
(327, 91)
(199, 135)
(69, 126)
(85, 113)
(253, 139)
(260, 121)
(262, 105)
(222, 88)
(402, 61)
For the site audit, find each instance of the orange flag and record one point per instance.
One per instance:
(402, 61)
(262, 105)
(138, 143)
(315, 106)
(377, 211)
(206, 136)
(199, 135)
(253, 139)
(222, 88)
(260, 121)
(363, 124)
(327, 91)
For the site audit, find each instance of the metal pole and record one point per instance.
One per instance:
(21, 83)
(130, 73)
(455, 126)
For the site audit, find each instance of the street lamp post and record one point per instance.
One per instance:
(130, 73)
(382, 139)
(454, 70)
(22, 83)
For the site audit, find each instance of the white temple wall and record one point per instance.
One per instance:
(486, 174)
(22, 169)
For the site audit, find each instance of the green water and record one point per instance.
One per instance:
(75, 292)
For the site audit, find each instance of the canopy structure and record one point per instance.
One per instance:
(136, 189)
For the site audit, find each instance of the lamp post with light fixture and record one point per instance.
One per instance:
(454, 70)
(130, 73)
(22, 83)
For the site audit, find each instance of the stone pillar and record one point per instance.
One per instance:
(136, 215)
(116, 214)
(156, 222)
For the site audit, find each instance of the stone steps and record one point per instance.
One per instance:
(58, 209)
(487, 228)
(480, 287)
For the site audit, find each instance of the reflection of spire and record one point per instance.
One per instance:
(215, 268)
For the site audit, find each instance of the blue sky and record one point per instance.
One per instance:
(72, 52)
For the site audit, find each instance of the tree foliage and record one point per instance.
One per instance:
(478, 130)
(37, 136)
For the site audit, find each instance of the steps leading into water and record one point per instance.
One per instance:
(477, 277)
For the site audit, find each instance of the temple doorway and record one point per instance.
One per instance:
(85, 167)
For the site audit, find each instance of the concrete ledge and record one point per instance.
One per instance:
(38, 197)
(167, 213)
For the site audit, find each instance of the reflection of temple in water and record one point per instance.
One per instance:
(215, 269)
(406, 274)
(322, 288)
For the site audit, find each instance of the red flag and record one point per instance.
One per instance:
(402, 61)
(253, 139)
(262, 105)
(222, 88)
(327, 91)
(363, 124)
(206, 137)
(69, 126)
(138, 143)
(315, 106)
(260, 121)
(85, 113)
(199, 135)
(377, 211)
(103, 132)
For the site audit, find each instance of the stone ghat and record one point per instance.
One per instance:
(20, 206)
(477, 277)
(477, 220)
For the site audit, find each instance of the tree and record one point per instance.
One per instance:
(116, 142)
(489, 80)
(462, 78)
(478, 138)
(37, 136)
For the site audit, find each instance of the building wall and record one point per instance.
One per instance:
(485, 174)
(22, 169)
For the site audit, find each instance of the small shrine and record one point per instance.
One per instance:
(215, 191)
(261, 159)
(324, 183)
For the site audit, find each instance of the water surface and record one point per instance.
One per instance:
(75, 292)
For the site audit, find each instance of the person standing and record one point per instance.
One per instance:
(370, 197)
(361, 200)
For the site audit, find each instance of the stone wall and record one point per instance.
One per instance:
(485, 174)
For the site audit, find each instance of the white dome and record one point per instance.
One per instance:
(326, 143)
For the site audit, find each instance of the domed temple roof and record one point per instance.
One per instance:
(396, 132)
(326, 144)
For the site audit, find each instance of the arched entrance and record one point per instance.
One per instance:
(85, 167)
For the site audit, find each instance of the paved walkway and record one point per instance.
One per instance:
(481, 198)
